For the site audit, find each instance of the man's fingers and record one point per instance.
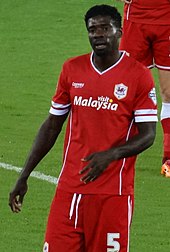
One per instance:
(92, 179)
(88, 178)
(15, 202)
(84, 169)
(12, 199)
(20, 200)
(15, 206)
(88, 158)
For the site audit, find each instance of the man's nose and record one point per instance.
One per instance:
(99, 32)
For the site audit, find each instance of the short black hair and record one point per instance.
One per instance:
(104, 10)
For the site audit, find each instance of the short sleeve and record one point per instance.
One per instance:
(60, 103)
(145, 107)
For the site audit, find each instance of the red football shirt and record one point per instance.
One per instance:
(104, 107)
(148, 11)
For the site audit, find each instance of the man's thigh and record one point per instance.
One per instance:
(161, 46)
(149, 44)
(136, 42)
(88, 223)
(107, 222)
(63, 233)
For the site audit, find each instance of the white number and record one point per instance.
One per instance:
(112, 243)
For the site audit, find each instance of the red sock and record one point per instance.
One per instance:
(166, 142)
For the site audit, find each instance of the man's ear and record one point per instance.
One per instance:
(119, 33)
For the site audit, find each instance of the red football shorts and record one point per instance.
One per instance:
(88, 223)
(149, 44)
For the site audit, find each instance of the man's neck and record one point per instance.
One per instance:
(104, 62)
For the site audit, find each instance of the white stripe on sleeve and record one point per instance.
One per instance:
(58, 112)
(59, 109)
(59, 105)
(146, 112)
(146, 119)
(146, 115)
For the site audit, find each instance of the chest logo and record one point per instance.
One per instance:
(77, 84)
(120, 91)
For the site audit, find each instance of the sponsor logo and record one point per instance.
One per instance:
(46, 247)
(120, 91)
(100, 103)
(77, 84)
(152, 96)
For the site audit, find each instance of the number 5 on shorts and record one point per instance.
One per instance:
(112, 243)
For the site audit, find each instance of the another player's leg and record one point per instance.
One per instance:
(136, 42)
(161, 45)
(164, 77)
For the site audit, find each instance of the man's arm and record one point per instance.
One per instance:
(44, 141)
(99, 161)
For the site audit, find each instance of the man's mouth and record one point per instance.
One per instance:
(100, 46)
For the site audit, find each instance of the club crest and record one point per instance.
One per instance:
(120, 91)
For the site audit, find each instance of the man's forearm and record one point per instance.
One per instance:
(44, 141)
(133, 147)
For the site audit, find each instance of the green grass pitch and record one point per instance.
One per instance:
(36, 38)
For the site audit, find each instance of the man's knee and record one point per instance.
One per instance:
(164, 81)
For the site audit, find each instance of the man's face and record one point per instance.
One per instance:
(103, 35)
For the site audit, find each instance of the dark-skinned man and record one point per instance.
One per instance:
(111, 102)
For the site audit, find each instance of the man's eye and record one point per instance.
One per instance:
(91, 30)
(106, 28)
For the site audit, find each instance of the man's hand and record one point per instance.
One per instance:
(16, 196)
(97, 163)
(43, 143)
